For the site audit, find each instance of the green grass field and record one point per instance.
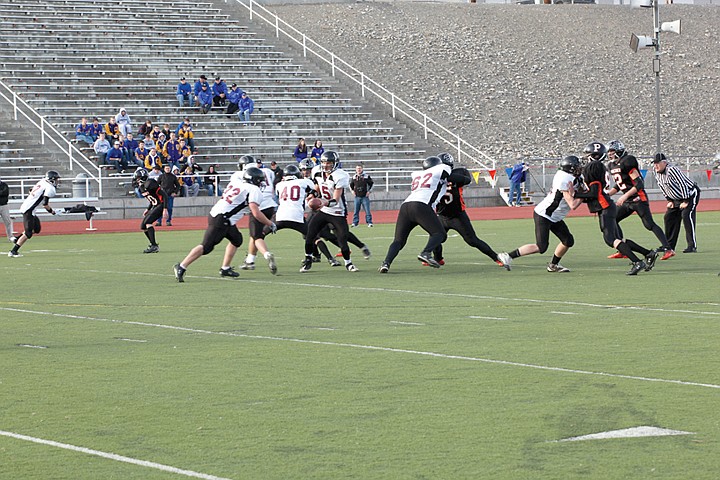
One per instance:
(465, 372)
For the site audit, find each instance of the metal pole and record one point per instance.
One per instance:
(656, 69)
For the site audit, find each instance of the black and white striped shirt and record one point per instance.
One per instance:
(674, 184)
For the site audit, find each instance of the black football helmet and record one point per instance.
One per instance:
(140, 176)
(291, 171)
(595, 152)
(430, 162)
(329, 161)
(618, 147)
(253, 175)
(571, 164)
(447, 159)
(246, 161)
(53, 177)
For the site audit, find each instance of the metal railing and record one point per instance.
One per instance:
(48, 132)
(464, 151)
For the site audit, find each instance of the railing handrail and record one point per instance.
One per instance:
(49, 131)
(461, 147)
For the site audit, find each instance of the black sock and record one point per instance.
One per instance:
(637, 248)
(515, 253)
(15, 248)
(555, 260)
(625, 249)
(150, 234)
(323, 248)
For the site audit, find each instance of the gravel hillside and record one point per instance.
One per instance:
(535, 80)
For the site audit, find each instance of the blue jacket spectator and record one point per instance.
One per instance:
(96, 129)
(233, 97)
(82, 132)
(246, 108)
(115, 158)
(198, 85)
(184, 93)
(317, 151)
(219, 91)
(205, 98)
(301, 151)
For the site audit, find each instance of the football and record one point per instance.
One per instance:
(315, 203)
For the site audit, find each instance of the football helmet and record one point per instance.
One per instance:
(52, 177)
(447, 159)
(571, 164)
(246, 161)
(618, 147)
(140, 176)
(329, 160)
(595, 151)
(253, 175)
(291, 171)
(430, 162)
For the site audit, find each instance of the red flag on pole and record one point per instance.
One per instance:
(492, 174)
(709, 174)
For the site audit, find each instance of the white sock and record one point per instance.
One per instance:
(250, 259)
(267, 255)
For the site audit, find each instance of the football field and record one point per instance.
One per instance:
(110, 369)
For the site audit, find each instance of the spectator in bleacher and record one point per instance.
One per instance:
(233, 97)
(5, 210)
(317, 152)
(153, 160)
(123, 121)
(204, 98)
(156, 133)
(212, 181)
(301, 151)
(145, 129)
(140, 154)
(171, 152)
(184, 93)
(278, 173)
(155, 173)
(160, 146)
(219, 91)
(166, 130)
(169, 182)
(101, 147)
(202, 80)
(112, 130)
(82, 132)
(247, 106)
(191, 186)
(116, 158)
(95, 129)
(128, 155)
(131, 145)
(185, 131)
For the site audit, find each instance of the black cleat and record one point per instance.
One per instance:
(306, 265)
(426, 257)
(230, 272)
(650, 259)
(384, 268)
(637, 267)
(152, 249)
(179, 273)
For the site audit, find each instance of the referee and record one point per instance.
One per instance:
(683, 196)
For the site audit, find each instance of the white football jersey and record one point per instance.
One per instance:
(268, 190)
(291, 194)
(553, 206)
(236, 199)
(428, 186)
(42, 189)
(327, 184)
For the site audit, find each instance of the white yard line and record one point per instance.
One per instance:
(369, 347)
(112, 456)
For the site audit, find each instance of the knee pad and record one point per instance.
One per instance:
(570, 241)
(36, 225)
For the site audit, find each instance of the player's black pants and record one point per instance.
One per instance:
(675, 216)
(218, 229)
(463, 226)
(339, 225)
(410, 216)
(643, 211)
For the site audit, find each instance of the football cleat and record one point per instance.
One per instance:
(690, 250)
(306, 265)
(271, 263)
(556, 268)
(13, 239)
(668, 254)
(617, 255)
(650, 259)
(334, 263)
(442, 262)
(505, 260)
(152, 249)
(317, 258)
(229, 272)
(365, 252)
(425, 257)
(370, 225)
(179, 273)
(12, 254)
(384, 268)
(247, 266)
(636, 267)
(351, 268)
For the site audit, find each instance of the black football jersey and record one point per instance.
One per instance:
(152, 191)
(621, 171)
